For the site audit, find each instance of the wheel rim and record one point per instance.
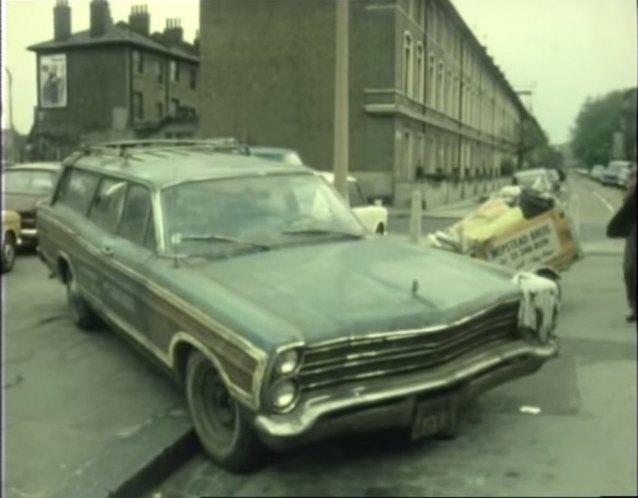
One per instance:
(218, 411)
(9, 253)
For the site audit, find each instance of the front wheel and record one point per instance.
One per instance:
(8, 252)
(224, 432)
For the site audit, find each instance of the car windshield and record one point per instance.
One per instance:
(37, 182)
(216, 216)
(531, 180)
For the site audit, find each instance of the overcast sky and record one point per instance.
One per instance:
(563, 50)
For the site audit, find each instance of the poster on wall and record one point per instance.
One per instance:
(53, 81)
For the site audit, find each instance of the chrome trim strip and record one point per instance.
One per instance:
(310, 410)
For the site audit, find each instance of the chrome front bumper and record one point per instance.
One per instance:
(28, 236)
(390, 402)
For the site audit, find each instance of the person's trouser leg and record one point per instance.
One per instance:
(629, 270)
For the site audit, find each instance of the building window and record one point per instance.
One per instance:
(441, 87)
(138, 105)
(431, 87)
(420, 73)
(407, 65)
(174, 107)
(193, 82)
(138, 61)
(159, 71)
(449, 92)
(420, 145)
(418, 12)
(159, 107)
(174, 70)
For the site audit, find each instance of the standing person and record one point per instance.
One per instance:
(623, 224)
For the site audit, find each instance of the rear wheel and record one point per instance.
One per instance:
(225, 433)
(8, 252)
(81, 313)
(380, 229)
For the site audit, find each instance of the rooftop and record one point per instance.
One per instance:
(115, 34)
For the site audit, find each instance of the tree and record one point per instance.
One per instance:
(597, 121)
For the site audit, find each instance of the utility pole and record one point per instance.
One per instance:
(10, 134)
(342, 108)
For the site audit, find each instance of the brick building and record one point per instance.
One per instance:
(429, 108)
(112, 81)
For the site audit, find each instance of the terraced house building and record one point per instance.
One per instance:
(429, 108)
(112, 81)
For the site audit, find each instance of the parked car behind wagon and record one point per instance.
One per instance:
(23, 186)
(260, 291)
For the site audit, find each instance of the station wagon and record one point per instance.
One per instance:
(285, 320)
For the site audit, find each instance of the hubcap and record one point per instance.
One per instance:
(219, 411)
(8, 252)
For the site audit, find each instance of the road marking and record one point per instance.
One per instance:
(604, 201)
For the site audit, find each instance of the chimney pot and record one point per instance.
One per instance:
(61, 20)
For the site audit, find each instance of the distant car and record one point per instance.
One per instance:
(624, 176)
(596, 172)
(10, 238)
(23, 187)
(279, 154)
(373, 216)
(616, 173)
(538, 179)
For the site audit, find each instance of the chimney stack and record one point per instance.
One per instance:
(100, 18)
(173, 32)
(61, 20)
(139, 20)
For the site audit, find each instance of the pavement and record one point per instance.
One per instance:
(86, 416)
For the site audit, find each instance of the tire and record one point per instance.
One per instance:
(82, 315)
(9, 247)
(224, 431)
(380, 229)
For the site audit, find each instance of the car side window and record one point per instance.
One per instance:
(108, 203)
(136, 214)
(77, 189)
(355, 195)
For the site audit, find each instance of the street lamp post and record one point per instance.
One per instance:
(342, 109)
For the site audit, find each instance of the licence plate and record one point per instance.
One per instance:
(432, 417)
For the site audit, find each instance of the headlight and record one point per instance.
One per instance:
(287, 362)
(283, 394)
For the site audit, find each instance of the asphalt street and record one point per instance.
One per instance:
(581, 441)
(81, 408)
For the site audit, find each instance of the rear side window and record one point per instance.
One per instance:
(77, 189)
(136, 215)
(107, 206)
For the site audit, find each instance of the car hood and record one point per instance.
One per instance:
(22, 202)
(330, 290)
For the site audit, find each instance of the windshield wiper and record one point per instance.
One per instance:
(223, 238)
(321, 231)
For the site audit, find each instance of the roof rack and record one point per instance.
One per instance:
(124, 148)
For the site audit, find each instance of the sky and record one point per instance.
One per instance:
(562, 50)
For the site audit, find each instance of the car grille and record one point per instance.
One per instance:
(388, 355)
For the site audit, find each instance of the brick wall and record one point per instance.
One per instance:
(96, 84)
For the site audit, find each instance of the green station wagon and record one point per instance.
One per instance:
(254, 284)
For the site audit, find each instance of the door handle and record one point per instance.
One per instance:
(107, 251)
